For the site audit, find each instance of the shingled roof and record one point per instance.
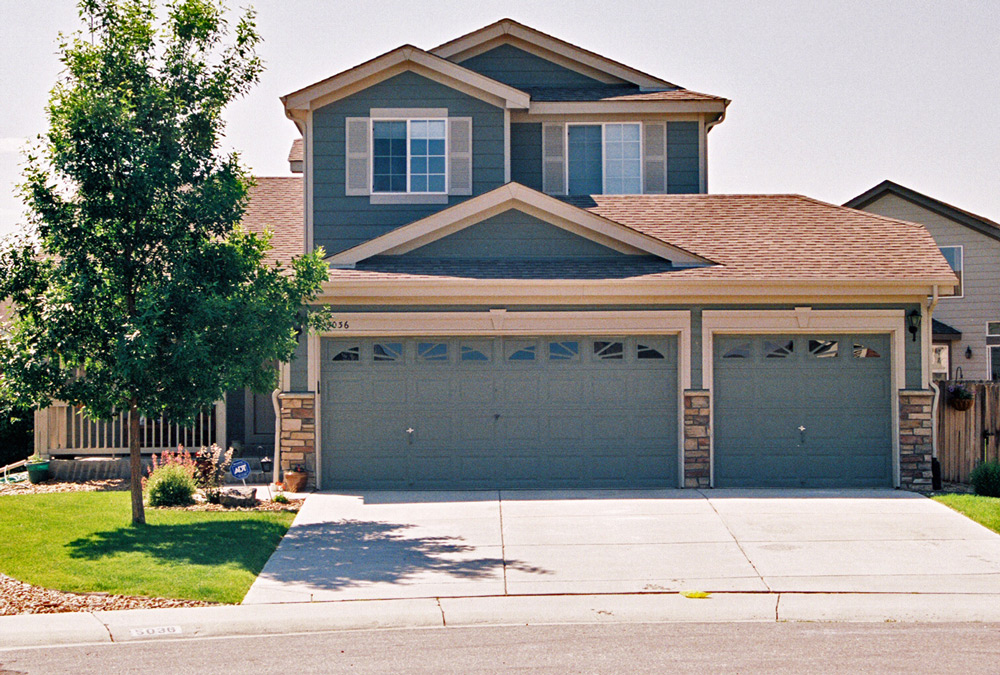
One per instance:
(276, 204)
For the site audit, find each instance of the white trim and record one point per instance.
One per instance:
(313, 373)
(506, 145)
(409, 192)
(961, 264)
(604, 140)
(514, 196)
(500, 322)
(391, 63)
(407, 113)
(307, 193)
(802, 321)
(612, 106)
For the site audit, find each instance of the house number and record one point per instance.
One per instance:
(339, 325)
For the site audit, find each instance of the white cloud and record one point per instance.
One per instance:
(12, 144)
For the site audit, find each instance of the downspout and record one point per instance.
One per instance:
(937, 392)
(277, 436)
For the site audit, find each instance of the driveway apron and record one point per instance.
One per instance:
(349, 546)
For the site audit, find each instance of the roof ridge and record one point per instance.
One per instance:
(854, 211)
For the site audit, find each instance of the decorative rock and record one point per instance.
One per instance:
(236, 497)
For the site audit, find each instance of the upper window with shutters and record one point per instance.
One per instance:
(415, 156)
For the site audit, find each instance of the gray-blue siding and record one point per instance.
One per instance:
(683, 167)
(526, 155)
(519, 68)
(513, 235)
(341, 222)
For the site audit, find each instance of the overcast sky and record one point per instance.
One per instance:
(829, 98)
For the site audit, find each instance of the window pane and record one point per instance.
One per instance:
(585, 171)
(389, 156)
(432, 351)
(823, 349)
(609, 351)
(427, 161)
(418, 147)
(474, 353)
(387, 351)
(993, 328)
(349, 354)
(863, 352)
(740, 351)
(622, 159)
(645, 352)
(778, 350)
(525, 353)
(435, 184)
(995, 363)
(563, 351)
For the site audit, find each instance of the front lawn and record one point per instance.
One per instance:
(83, 542)
(983, 510)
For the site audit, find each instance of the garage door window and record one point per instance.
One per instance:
(609, 351)
(824, 349)
(521, 351)
(740, 351)
(564, 351)
(644, 352)
(432, 351)
(474, 352)
(864, 352)
(778, 350)
(384, 352)
(348, 354)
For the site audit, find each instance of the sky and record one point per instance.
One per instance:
(829, 97)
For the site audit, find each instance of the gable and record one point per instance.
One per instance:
(513, 235)
(519, 68)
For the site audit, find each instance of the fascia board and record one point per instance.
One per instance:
(636, 107)
(304, 99)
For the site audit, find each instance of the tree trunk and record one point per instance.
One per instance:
(135, 465)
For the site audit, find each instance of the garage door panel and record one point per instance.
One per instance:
(516, 413)
(842, 402)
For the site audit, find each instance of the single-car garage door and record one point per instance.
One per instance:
(802, 411)
(434, 413)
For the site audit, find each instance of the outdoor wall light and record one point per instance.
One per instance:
(968, 352)
(913, 323)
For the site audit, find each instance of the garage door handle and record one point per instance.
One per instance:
(409, 435)
(802, 434)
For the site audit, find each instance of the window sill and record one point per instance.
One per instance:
(408, 198)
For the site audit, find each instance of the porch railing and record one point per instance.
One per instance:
(62, 429)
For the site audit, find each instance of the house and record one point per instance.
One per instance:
(532, 287)
(966, 334)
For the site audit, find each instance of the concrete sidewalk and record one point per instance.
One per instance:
(46, 630)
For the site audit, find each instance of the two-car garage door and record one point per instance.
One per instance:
(449, 412)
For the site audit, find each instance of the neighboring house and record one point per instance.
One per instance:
(967, 326)
(531, 288)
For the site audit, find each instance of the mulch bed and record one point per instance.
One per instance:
(26, 488)
(17, 597)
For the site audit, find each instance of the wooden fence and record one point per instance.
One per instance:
(968, 437)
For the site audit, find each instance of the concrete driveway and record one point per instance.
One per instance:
(451, 544)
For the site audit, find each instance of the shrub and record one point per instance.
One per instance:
(985, 479)
(211, 465)
(280, 499)
(170, 485)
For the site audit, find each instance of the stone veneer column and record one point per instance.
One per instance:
(916, 444)
(697, 439)
(298, 432)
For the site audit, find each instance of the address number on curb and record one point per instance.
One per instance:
(157, 631)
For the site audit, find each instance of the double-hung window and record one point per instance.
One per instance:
(954, 255)
(409, 156)
(604, 158)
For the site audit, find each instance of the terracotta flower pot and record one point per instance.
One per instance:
(295, 481)
(962, 403)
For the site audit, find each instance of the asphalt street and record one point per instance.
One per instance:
(632, 648)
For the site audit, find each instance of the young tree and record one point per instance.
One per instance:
(135, 289)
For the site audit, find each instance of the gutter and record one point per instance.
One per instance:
(937, 392)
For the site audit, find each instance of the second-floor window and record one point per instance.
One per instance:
(604, 158)
(409, 156)
(954, 255)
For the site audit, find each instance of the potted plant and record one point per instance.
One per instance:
(295, 478)
(38, 468)
(961, 397)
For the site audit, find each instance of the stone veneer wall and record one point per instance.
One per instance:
(697, 439)
(298, 432)
(916, 443)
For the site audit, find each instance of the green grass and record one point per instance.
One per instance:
(83, 542)
(983, 510)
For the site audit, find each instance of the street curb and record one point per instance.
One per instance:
(46, 630)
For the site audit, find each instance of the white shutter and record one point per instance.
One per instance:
(460, 155)
(553, 159)
(357, 165)
(654, 153)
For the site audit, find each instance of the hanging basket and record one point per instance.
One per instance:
(962, 403)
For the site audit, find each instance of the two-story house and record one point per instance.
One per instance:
(966, 335)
